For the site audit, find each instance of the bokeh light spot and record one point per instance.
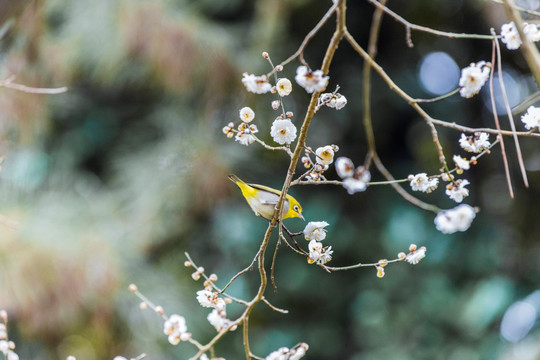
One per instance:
(517, 321)
(438, 73)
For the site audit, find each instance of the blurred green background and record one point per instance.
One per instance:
(112, 181)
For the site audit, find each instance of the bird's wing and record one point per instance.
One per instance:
(266, 188)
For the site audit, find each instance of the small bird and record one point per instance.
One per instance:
(263, 200)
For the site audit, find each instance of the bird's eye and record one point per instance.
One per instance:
(295, 208)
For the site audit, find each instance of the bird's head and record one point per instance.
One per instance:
(295, 209)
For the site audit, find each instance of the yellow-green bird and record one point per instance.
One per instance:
(263, 200)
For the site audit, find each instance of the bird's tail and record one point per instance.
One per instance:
(235, 179)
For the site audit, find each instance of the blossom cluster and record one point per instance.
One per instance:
(245, 130)
(176, 330)
(324, 156)
(211, 299)
(142, 356)
(332, 100)
(476, 143)
(531, 119)
(315, 232)
(510, 35)
(456, 219)
(285, 353)
(354, 179)
(413, 257)
(311, 81)
(473, 77)
(282, 130)
(421, 182)
(6, 347)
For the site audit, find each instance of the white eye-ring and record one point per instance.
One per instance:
(295, 208)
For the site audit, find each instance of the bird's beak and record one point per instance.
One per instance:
(301, 217)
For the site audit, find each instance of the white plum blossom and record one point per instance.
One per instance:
(256, 84)
(219, 320)
(315, 247)
(115, 358)
(279, 354)
(285, 353)
(336, 101)
(415, 256)
(354, 180)
(325, 155)
(314, 230)
(283, 131)
(244, 138)
(311, 80)
(7, 351)
(421, 182)
(284, 87)
(461, 163)
(205, 357)
(326, 255)
(228, 130)
(244, 135)
(510, 36)
(247, 114)
(205, 297)
(318, 254)
(531, 32)
(175, 327)
(358, 182)
(531, 119)
(3, 331)
(210, 299)
(477, 143)
(473, 77)
(344, 167)
(456, 219)
(457, 191)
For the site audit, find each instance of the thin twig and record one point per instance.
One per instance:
(283, 311)
(8, 83)
(242, 272)
(273, 148)
(408, 25)
(509, 113)
(403, 94)
(519, 8)
(404, 194)
(214, 286)
(356, 266)
(497, 125)
(245, 336)
(309, 36)
(455, 91)
(528, 48)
